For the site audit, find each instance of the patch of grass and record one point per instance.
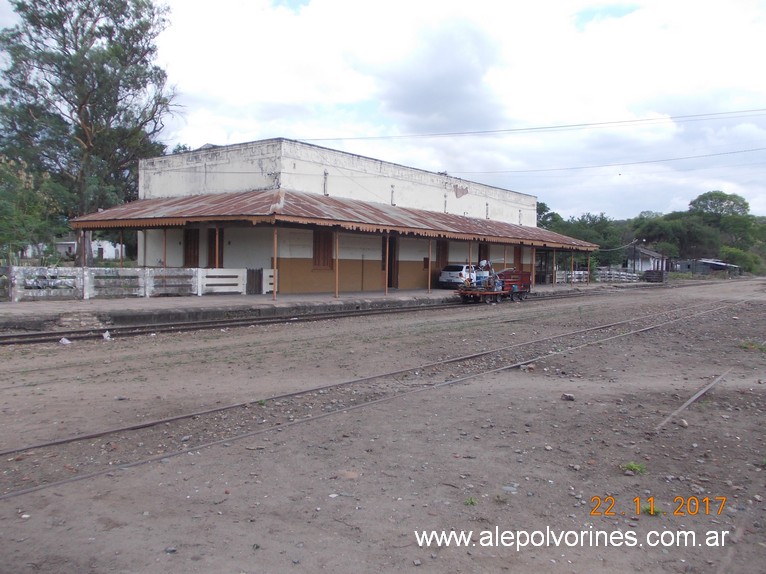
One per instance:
(261, 403)
(636, 467)
(471, 501)
(753, 346)
(650, 510)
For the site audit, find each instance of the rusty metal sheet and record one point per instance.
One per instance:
(313, 209)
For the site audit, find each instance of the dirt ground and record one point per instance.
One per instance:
(504, 455)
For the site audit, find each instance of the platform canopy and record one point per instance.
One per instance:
(297, 208)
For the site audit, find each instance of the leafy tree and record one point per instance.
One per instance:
(748, 262)
(718, 203)
(180, 148)
(598, 229)
(667, 249)
(28, 208)
(657, 230)
(80, 97)
(546, 218)
(649, 215)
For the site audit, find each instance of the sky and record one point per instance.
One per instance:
(600, 107)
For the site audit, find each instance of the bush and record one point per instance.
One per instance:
(747, 261)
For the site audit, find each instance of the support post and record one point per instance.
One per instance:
(553, 267)
(164, 257)
(82, 248)
(571, 270)
(274, 290)
(385, 266)
(217, 246)
(337, 261)
(122, 250)
(429, 265)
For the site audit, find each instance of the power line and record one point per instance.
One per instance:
(616, 164)
(563, 127)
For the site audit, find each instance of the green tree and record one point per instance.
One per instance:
(748, 262)
(546, 218)
(667, 249)
(598, 229)
(80, 96)
(29, 208)
(718, 203)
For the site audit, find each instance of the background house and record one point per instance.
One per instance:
(640, 259)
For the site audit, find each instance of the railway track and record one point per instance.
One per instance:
(28, 468)
(54, 336)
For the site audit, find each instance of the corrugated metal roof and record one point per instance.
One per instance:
(272, 206)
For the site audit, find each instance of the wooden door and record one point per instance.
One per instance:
(191, 248)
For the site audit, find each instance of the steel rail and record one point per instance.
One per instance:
(391, 397)
(54, 336)
(143, 329)
(389, 374)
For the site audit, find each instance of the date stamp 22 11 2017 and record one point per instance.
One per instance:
(682, 506)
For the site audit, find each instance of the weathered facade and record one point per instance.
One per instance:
(324, 220)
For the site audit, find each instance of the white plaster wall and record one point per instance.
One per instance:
(248, 247)
(357, 246)
(496, 256)
(151, 254)
(366, 179)
(241, 167)
(301, 167)
(295, 243)
(411, 249)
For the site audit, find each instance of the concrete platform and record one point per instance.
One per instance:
(99, 313)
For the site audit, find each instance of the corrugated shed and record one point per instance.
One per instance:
(275, 206)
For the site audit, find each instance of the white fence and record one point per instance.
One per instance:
(67, 283)
(600, 275)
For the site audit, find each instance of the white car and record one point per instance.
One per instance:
(453, 276)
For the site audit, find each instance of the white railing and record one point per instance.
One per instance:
(67, 283)
(600, 275)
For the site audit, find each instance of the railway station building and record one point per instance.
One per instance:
(315, 220)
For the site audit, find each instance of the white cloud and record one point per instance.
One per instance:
(252, 69)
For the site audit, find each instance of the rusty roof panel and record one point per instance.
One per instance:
(297, 207)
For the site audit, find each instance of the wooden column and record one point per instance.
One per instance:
(571, 270)
(588, 279)
(217, 246)
(274, 290)
(144, 231)
(336, 237)
(82, 248)
(553, 268)
(385, 266)
(122, 250)
(429, 265)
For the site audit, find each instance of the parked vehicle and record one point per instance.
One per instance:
(453, 276)
(507, 284)
(518, 282)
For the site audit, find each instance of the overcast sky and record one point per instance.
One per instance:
(591, 106)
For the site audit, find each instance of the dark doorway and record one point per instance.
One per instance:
(483, 252)
(392, 242)
(191, 248)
